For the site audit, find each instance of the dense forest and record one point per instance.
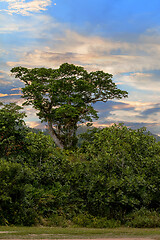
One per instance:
(111, 179)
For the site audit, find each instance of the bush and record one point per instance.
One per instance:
(87, 220)
(56, 220)
(143, 218)
(16, 194)
(39, 148)
(120, 174)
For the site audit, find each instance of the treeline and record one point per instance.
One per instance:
(112, 179)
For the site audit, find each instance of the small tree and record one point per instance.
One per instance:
(64, 97)
(12, 128)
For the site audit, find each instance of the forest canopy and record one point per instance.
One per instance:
(112, 179)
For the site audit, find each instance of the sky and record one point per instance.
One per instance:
(121, 37)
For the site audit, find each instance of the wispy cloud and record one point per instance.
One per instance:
(5, 78)
(97, 52)
(16, 89)
(139, 112)
(12, 94)
(142, 81)
(26, 8)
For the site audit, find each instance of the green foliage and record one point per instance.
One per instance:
(16, 190)
(113, 178)
(121, 142)
(39, 147)
(12, 129)
(143, 218)
(64, 97)
(121, 172)
(87, 220)
(56, 220)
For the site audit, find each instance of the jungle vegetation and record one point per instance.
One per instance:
(111, 178)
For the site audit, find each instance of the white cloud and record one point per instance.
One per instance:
(36, 27)
(26, 8)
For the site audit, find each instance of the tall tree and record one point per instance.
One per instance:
(65, 96)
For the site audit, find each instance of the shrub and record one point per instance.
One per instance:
(87, 220)
(121, 172)
(16, 194)
(143, 218)
(56, 220)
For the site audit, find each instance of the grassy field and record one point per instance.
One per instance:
(71, 233)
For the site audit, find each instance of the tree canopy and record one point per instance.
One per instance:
(113, 179)
(65, 96)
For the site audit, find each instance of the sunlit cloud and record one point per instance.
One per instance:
(12, 94)
(15, 89)
(3, 95)
(146, 112)
(120, 107)
(26, 8)
(15, 94)
(33, 124)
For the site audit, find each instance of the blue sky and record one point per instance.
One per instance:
(121, 37)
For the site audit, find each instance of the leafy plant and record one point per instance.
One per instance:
(143, 218)
(87, 220)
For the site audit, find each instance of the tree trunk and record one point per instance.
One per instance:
(54, 136)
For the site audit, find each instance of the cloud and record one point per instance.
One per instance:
(95, 53)
(3, 94)
(16, 89)
(5, 78)
(8, 95)
(154, 128)
(142, 80)
(34, 124)
(106, 109)
(37, 26)
(26, 8)
(135, 66)
(152, 111)
(134, 114)
(137, 112)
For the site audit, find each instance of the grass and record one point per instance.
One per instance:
(71, 233)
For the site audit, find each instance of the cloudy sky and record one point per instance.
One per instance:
(121, 37)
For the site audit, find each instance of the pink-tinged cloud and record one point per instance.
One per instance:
(95, 53)
(35, 124)
(15, 89)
